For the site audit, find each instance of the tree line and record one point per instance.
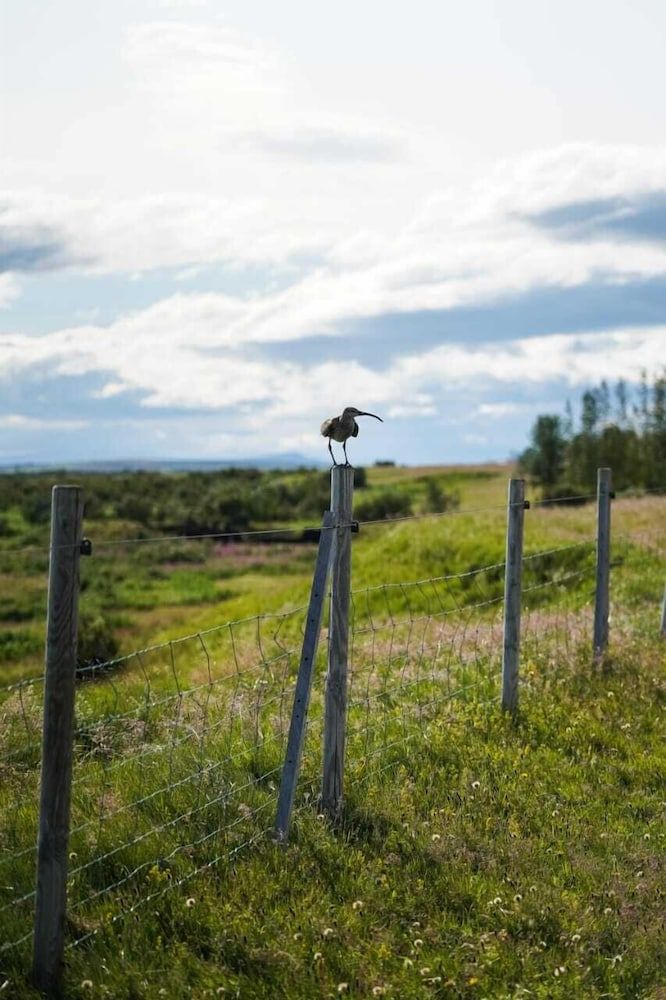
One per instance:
(620, 426)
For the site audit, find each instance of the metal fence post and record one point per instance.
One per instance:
(299, 712)
(513, 574)
(335, 708)
(663, 615)
(601, 594)
(56, 775)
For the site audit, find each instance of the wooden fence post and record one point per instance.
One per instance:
(335, 708)
(299, 712)
(601, 594)
(513, 574)
(56, 775)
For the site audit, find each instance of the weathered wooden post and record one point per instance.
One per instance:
(56, 775)
(513, 574)
(601, 594)
(299, 712)
(335, 708)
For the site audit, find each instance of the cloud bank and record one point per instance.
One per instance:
(302, 256)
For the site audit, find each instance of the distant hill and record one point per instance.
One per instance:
(282, 460)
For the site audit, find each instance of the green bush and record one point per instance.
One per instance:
(571, 493)
(360, 478)
(15, 644)
(382, 505)
(96, 642)
(436, 500)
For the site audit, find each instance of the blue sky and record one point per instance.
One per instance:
(222, 222)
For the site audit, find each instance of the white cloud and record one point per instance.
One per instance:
(232, 156)
(500, 409)
(215, 145)
(19, 422)
(419, 405)
(9, 290)
(109, 390)
(174, 372)
(201, 80)
(576, 359)
(468, 245)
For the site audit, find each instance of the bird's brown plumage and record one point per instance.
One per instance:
(341, 428)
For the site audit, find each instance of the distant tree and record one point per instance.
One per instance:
(590, 413)
(621, 401)
(544, 459)
(603, 402)
(642, 407)
(634, 447)
(568, 422)
(655, 436)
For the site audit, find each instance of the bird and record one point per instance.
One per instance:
(343, 427)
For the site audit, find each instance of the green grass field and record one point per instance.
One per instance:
(475, 856)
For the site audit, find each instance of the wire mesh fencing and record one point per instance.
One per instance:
(179, 747)
(177, 751)
(418, 647)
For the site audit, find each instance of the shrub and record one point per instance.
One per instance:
(15, 644)
(569, 493)
(360, 478)
(382, 505)
(436, 500)
(96, 643)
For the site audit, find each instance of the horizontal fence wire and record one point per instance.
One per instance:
(248, 535)
(421, 648)
(178, 747)
(313, 530)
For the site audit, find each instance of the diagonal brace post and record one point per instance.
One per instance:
(299, 710)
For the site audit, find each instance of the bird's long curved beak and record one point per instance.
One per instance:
(364, 414)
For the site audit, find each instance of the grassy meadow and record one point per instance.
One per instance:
(152, 592)
(475, 856)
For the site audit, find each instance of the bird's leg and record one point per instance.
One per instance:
(344, 448)
(331, 451)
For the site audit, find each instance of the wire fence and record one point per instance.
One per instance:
(179, 747)
(311, 531)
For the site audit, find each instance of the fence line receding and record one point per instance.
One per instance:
(186, 753)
